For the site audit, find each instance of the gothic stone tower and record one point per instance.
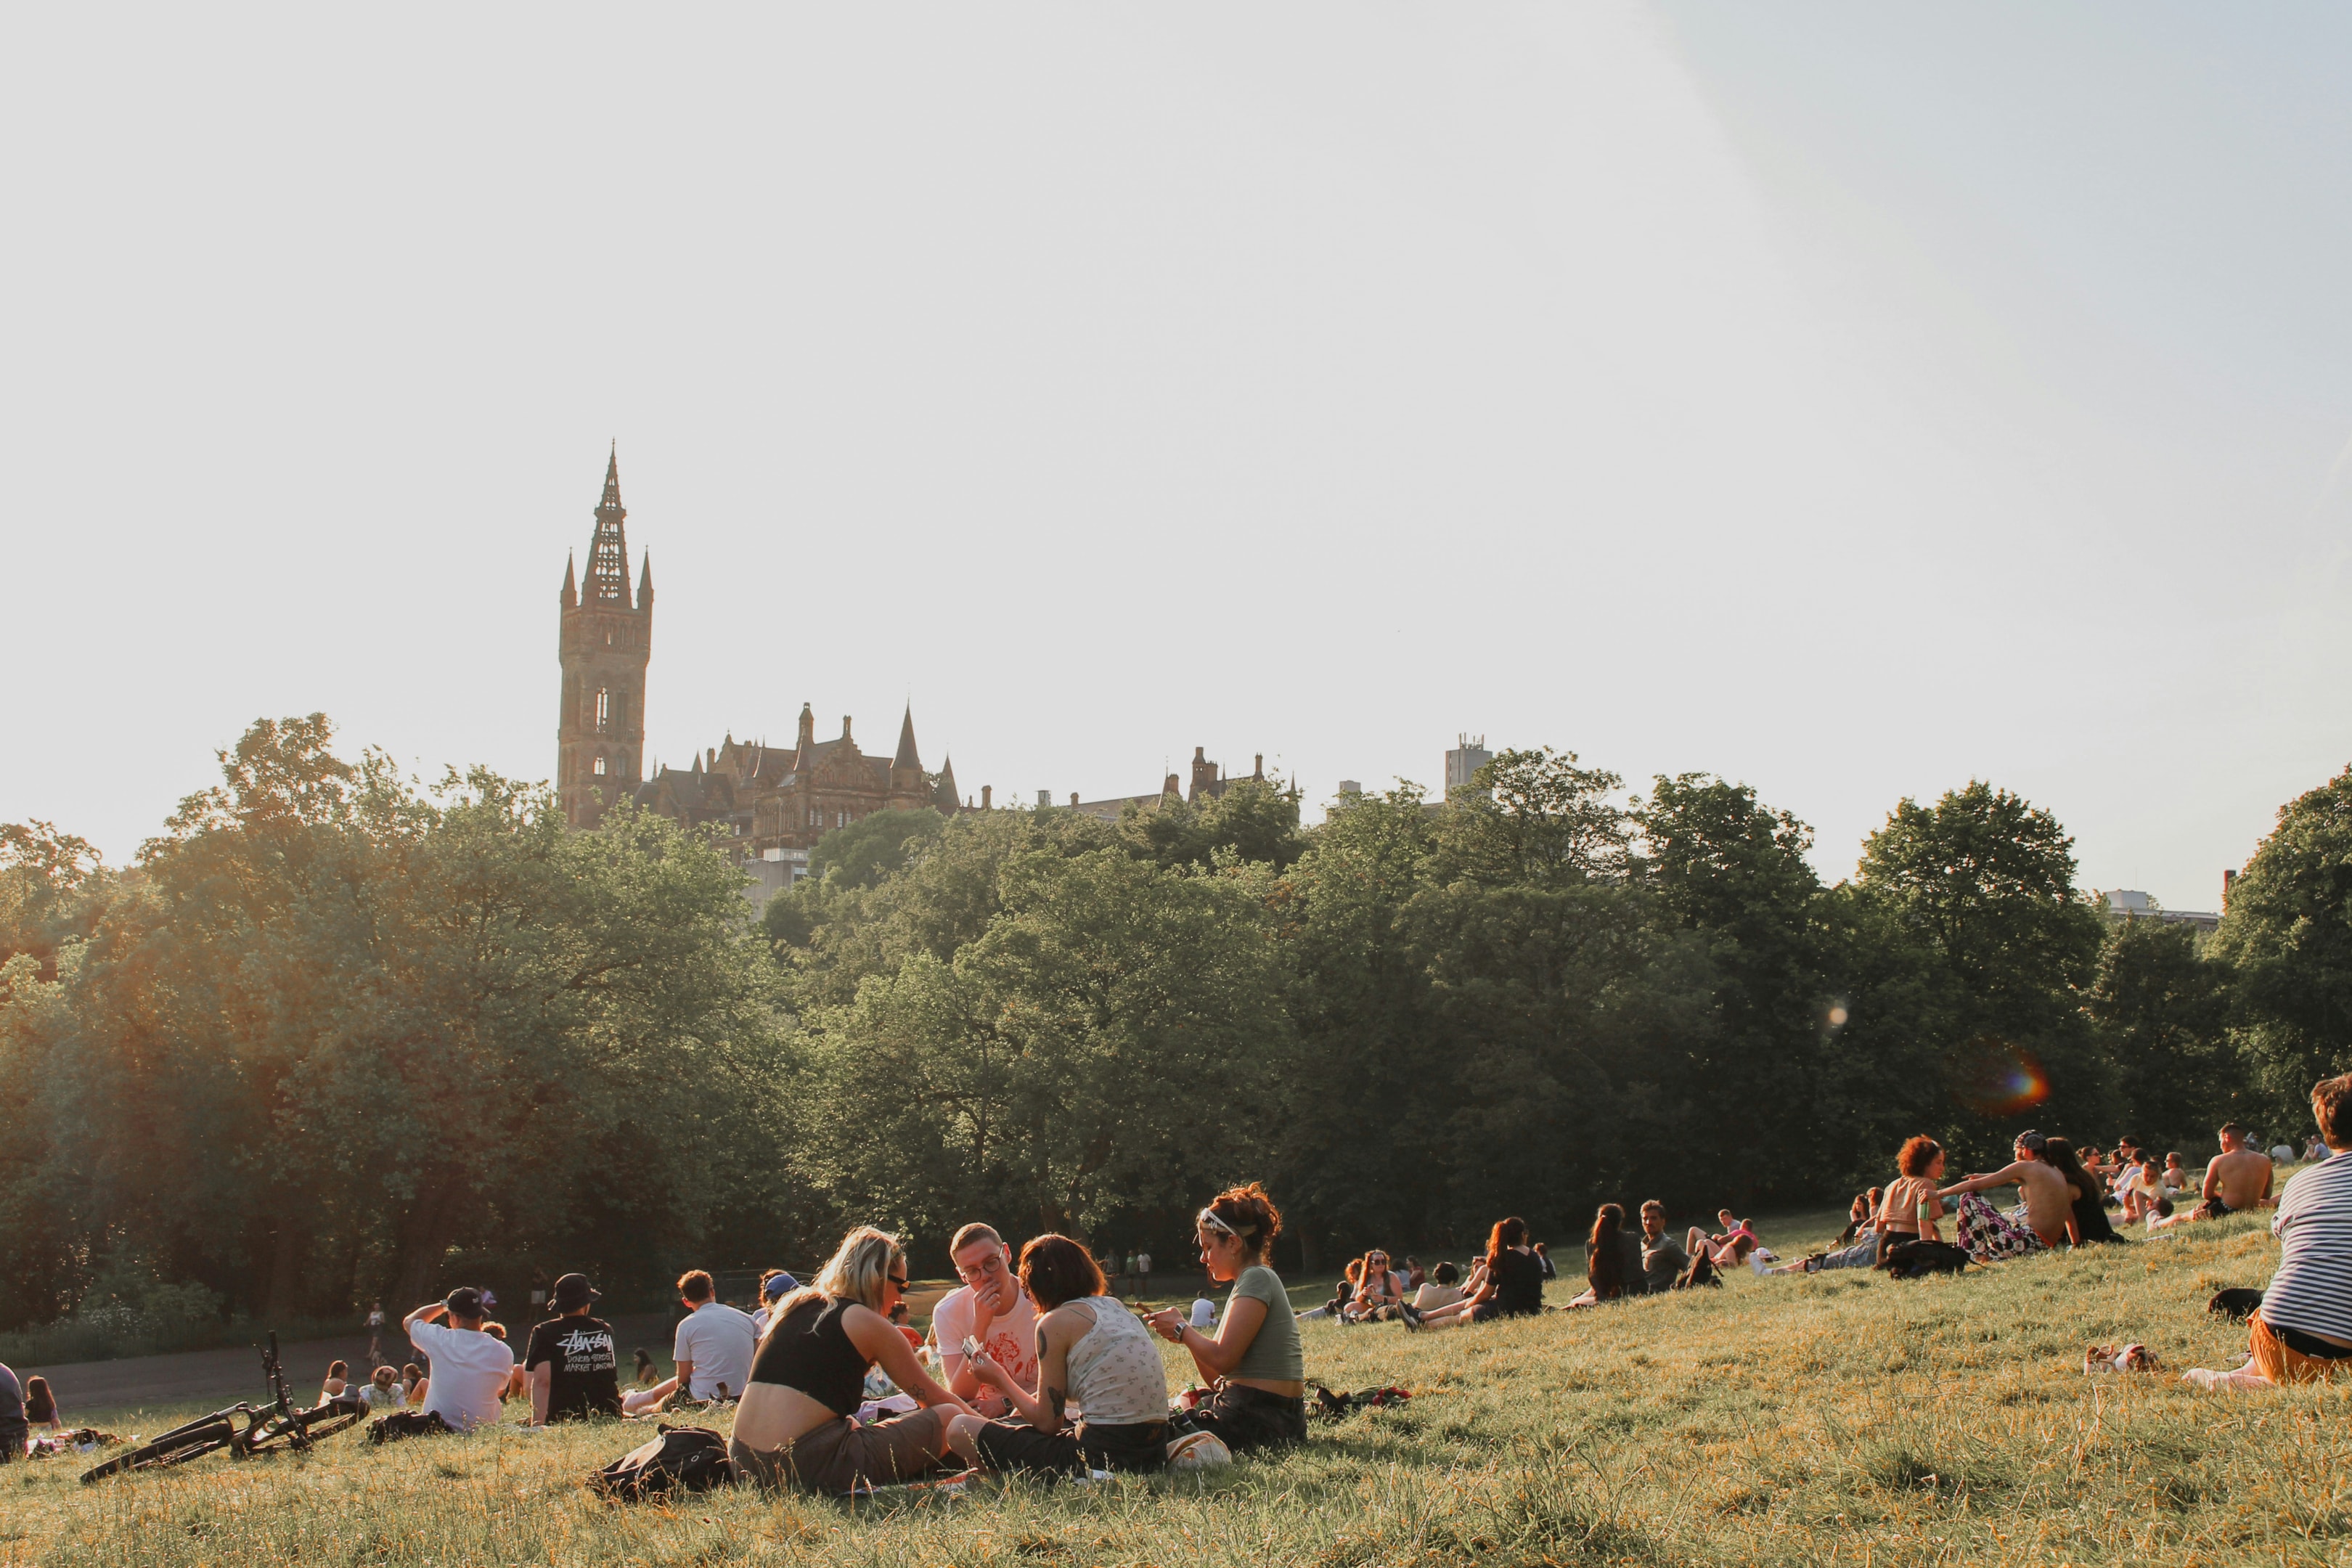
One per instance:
(605, 644)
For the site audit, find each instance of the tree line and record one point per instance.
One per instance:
(336, 1034)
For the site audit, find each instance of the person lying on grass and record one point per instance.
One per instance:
(2303, 1330)
(1729, 1247)
(1513, 1286)
(2037, 1225)
(1859, 1216)
(1259, 1374)
(1092, 1352)
(1857, 1245)
(795, 1426)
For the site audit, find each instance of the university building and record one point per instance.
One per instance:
(771, 803)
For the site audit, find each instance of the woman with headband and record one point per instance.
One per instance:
(1258, 1400)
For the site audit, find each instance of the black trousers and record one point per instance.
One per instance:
(1247, 1418)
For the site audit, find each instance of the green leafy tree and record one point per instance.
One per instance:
(348, 1027)
(1252, 821)
(1366, 1101)
(1110, 1039)
(1533, 819)
(1734, 871)
(52, 887)
(2288, 935)
(866, 851)
(943, 900)
(1981, 887)
(2161, 1012)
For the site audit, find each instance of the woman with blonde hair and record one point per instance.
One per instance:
(795, 1425)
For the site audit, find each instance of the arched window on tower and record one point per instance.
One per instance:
(604, 709)
(600, 767)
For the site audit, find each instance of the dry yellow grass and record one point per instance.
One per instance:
(1836, 1419)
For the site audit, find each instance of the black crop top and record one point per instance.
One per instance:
(810, 1351)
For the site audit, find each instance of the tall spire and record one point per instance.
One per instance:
(805, 745)
(944, 795)
(906, 757)
(608, 548)
(645, 582)
(571, 590)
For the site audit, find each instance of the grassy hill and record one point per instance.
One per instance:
(1836, 1419)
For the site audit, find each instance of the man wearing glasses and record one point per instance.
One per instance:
(992, 1307)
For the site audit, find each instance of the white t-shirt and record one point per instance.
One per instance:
(1012, 1342)
(718, 1341)
(469, 1373)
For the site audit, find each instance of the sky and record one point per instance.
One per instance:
(1849, 400)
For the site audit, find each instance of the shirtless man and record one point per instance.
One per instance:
(2049, 1203)
(2239, 1178)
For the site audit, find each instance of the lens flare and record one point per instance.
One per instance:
(1994, 1078)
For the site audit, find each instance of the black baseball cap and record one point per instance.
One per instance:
(465, 1301)
(573, 1290)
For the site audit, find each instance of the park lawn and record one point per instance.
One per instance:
(1837, 1418)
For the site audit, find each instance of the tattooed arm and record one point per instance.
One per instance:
(1057, 1330)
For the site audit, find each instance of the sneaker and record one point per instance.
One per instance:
(1411, 1318)
(1198, 1451)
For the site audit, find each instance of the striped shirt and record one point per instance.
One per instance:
(2312, 1288)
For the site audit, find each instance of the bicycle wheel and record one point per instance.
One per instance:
(173, 1447)
(323, 1421)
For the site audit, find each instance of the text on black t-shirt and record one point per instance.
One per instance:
(583, 1371)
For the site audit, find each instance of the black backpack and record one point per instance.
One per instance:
(689, 1458)
(1912, 1259)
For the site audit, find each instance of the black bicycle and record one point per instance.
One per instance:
(270, 1428)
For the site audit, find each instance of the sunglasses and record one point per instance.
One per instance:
(895, 1281)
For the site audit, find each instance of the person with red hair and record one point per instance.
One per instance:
(1513, 1286)
(1909, 1208)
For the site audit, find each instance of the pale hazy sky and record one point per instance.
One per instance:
(1847, 399)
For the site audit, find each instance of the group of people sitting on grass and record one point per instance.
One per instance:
(1507, 1278)
(2062, 1199)
(1039, 1369)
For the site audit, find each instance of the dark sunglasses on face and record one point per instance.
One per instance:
(895, 1281)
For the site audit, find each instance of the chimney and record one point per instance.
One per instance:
(1073, 797)
(1045, 798)
(845, 726)
(985, 790)
(713, 762)
(1173, 786)
(2229, 881)
(1257, 769)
